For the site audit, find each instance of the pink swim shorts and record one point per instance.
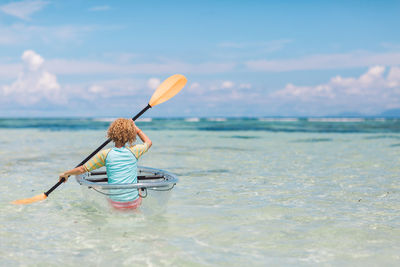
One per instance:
(130, 205)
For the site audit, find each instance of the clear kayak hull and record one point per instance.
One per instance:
(154, 186)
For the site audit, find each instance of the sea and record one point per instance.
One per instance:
(251, 192)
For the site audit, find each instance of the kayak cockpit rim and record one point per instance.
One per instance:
(149, 178)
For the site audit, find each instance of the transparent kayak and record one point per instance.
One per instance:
(154, 186)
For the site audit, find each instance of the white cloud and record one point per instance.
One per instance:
(370, 92)
(194, 87)
(10, 71)
(34, 83)
(110, 88)
(21, 34)
(224, 85)
(96, 89)
(325, 61)
(227, 84)
(84, 67)
(223, 92)
(393, 77)
(32, 60)
(48, 81)
(153, 83)
(218, 88)
(245, 86)
(23, 9)
(313, 62)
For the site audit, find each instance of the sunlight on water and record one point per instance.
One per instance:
(244, 198)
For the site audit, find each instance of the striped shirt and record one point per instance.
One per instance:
(121, 165)
(99, 160)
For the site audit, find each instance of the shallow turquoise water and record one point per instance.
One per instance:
(253, 197)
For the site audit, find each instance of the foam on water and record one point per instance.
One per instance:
(336, 119)
(192, 119)
(217, 119)
(144, 119)
(105, 119)
(278, 119)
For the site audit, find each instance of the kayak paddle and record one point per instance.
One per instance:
(168, 89)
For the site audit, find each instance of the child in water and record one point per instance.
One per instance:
(120, 162)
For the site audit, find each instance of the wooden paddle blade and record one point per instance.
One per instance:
(30, 200)
(169, 88)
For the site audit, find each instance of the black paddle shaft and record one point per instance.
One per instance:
(95, 152)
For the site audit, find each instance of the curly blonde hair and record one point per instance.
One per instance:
(122, 131)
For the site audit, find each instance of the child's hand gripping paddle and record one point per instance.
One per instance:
(168, 89)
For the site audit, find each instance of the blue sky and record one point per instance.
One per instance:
(241, 58)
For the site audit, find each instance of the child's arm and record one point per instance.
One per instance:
(98, 161)
(145, 139)
(76, 171)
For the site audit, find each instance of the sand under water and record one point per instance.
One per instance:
(251, 192)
